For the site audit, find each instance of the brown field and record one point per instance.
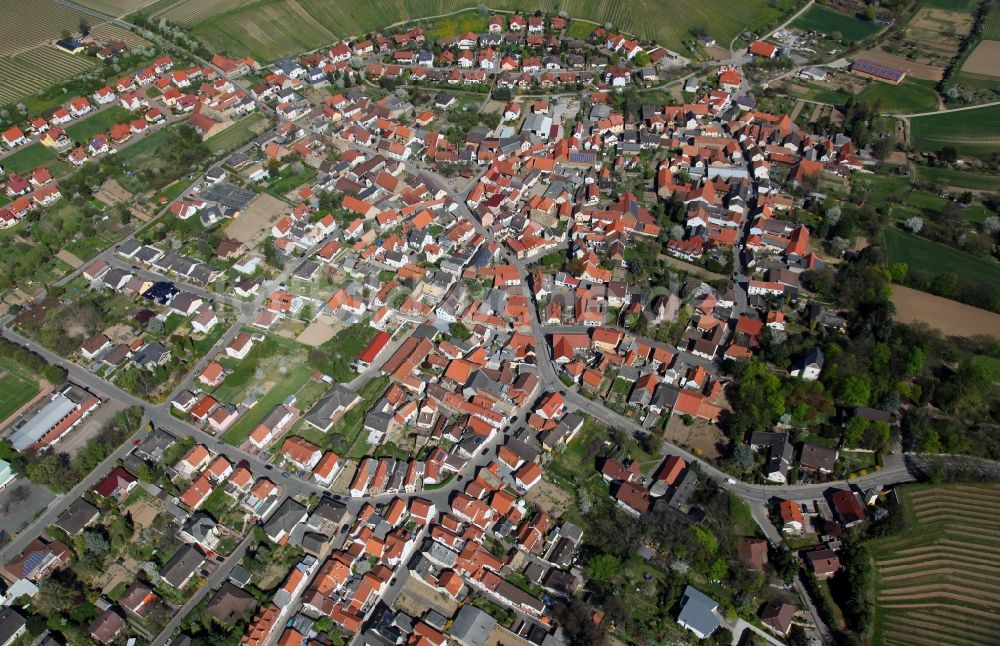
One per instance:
(700, 436)
(550, 498)
(318, 332)
(951, 317)
(254, 224)
(28, 24)
(915, 68)
(985, 59)
(109, 31)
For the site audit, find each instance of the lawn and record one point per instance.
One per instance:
(971, 132)
(243, 371)
(580, 29)
(238, 134)
(457, 25)
(98, 123)
(827, 21)
(908, 97)
(15, 391)
(346, 436)
(289, 385)
(958, 178)
(31, 157)
(936, 258)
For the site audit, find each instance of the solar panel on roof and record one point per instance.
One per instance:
(870, 67)
(32, 562)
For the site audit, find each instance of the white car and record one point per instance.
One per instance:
(730, 481)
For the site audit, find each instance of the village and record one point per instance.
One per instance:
(443, 313)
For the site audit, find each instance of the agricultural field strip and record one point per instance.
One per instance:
(933, 629)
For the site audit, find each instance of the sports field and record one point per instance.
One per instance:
(267, 29)
(936, 583)
(827, 21)
(971, 132)
(15, 391)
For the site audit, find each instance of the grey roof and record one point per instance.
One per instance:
(697, 611)
(77, 516)
(31, 431)
(472, 626)
(287, 516)
(10, 623)
(182, 565)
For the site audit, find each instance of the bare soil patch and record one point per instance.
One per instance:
(985, 59)
(255, 223)
(918, 68)
(111, 193)
(550, 498)
(143, 513)
(417, 597)
(316, 334)
(951, 317)
(70, 259)
(702, 437)
(500, 636)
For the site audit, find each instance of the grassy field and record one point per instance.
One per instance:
(936, 582)
(31, 157)
(267, 29)
(116, 8)
(237, 134)
(827, 21)
(991, 24)
(936, 258)
(458, 24)
(958, 178)
(15, 391)
(289, 385)
(971, 132)
(98, 123)
(908, 97)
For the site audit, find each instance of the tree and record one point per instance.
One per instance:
(743, 457)
(871, 11)
(460, 330)
(855, 390)
(718, 570)
(306, 313)
(914, 224)
(604, 566)
(84, 27)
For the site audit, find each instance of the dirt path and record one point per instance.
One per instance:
(797, 109)
(951, 317)
(69, 259)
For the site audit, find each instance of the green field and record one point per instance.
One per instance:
(991, 24)
(971, 132)
(935, 258)
(268, 29)
(959, 178)
(935, 582)
(15, 391)
(457, 25)
(827, 21)
(238, 134)
(910, 96)
(98, 123)
(29, 158)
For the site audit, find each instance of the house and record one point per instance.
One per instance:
(12, 626)
(240, 346)
(818, 458)
(753, 553)
(281, 523)
(810, 365)
(182, 566)
(138, 598)
(762, 49)
(847, 507)
(302, 453)
(698, 613)
(94, 346)
(272, 426)
(331, 407)
(38, 559)
(778, 616)
(791, 516)
(77, 517)
(107, 626)
(116, 484)
(212, 375)
(823, 562)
